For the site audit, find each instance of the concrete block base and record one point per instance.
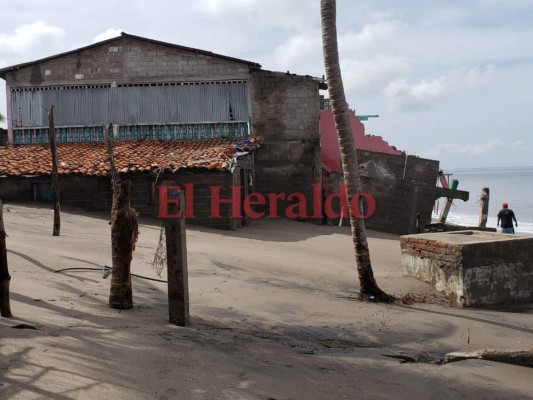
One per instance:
(472, 268)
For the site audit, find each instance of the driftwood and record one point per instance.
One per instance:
(521, 357)
(5, 278)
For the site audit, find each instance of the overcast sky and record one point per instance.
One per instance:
(451, 79)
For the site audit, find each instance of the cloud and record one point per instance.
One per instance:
(27, 42)
(365, 68)
(107, 34)
(261, 14)
(299, 52)
(479, 75)
(37, 39)
(371, 35)
(401, 96)
(367, 76)
(482, 149)
(216, 6)
(521, 147)
(27, 34)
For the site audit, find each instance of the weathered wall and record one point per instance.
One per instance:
(417, 170)
(498, 272)
(91, 193)
(329, 141)
(436, 263)
(127, 61)
(472, 268)
(402, 186)
(3, 137)
(145, 196)
(18, 189)
(285, 112)
(284, 108)
(94, 193)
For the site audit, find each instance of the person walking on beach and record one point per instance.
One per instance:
(506, 215)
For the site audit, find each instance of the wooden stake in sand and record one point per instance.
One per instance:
(178, 284)
(484, 207)
(5, 278)
(55, 175)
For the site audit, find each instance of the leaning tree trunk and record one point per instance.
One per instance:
(5, 278)
(369, 287)
(124, 230)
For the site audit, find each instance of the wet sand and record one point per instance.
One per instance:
(274, 315)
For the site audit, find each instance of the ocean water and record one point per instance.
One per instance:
(511, 185)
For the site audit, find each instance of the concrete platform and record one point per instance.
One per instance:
(472, 268)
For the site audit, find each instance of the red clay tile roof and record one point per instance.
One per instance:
(131, 156)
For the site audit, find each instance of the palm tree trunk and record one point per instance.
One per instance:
(369, 288)
(124, 231)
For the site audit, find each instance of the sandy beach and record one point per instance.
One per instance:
(274, 315)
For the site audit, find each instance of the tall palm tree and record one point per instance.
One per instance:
(369, 288)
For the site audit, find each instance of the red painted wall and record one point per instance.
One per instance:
(331, 155)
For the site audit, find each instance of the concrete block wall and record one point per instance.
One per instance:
(94, 193)
(285, 111)
(398, 200)
(128, 60)
(417, 170)
(16, 189)
(501, 272)
(397, 205)
(91, 193)
(472, 268)
(435, 263)
(145, 196)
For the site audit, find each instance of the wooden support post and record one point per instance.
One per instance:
(446, 209)
(484, 207)
(5, 278)
(55, 174)
(109, 140)
(178, 280)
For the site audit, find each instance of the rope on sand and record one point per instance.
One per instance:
(107, 269)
